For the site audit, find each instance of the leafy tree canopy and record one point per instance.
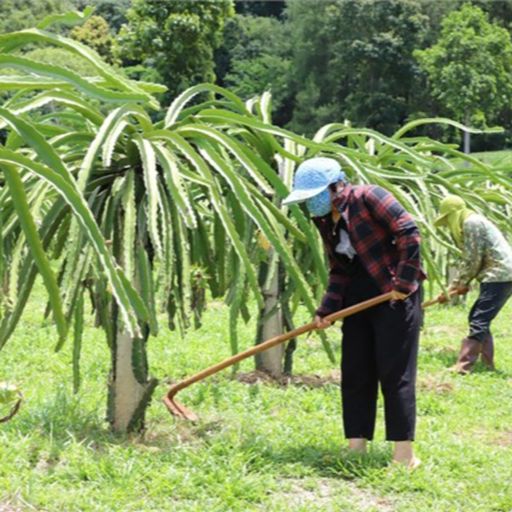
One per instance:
(175, 39)
(95, 33)
(469, 66)
(113, 11)
(353, 60)
(260, 8)
(255, 58)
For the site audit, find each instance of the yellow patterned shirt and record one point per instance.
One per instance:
(487, 256)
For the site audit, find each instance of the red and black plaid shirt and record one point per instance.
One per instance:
(383, 234)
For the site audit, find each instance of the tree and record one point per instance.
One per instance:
(173, 41)
(353, 60)
(311, 81)
(499, 11)
(469, 68)
(379, 39)
(95, 33)
(163, 210)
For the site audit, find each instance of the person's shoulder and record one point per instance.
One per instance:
(358, 193)
(377, 194)
(476, 220)
(479, 224)
(373, 190)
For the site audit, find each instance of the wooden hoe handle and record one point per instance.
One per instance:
(272, 342)
(179, 410)
(436, 301)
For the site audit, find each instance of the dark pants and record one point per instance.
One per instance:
(491, 300)
(380, 345)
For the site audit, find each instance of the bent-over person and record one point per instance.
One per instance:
(373, 246)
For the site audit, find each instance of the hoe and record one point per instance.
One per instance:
(179, 410)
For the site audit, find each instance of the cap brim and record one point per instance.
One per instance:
(299, 196)
(441, 220)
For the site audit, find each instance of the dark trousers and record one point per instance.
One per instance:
(380, 345)
(491, 300)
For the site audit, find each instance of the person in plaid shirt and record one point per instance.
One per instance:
(373, 247)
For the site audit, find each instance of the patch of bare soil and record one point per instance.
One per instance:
(433, 385)
(323, 495)
(159, 437)
(504, 439)
(7, 507)
(495, 438)
(307, 381)
(368, 501)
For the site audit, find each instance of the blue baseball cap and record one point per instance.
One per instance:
(312, 177)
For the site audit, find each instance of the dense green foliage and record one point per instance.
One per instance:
(95, 33)
(113, 11)
(353, 60)
(273, 8)
(20, 14)
(470, 67)
(254, 58)
(167, 204)
(343, 60)
(174, 40)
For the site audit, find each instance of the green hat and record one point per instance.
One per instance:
(449, 205)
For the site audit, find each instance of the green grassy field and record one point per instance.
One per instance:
(257, 447)
(498, 158)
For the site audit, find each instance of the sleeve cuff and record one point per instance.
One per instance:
(404, 286)
(322, 312)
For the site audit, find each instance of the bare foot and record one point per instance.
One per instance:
(414, 463)
(410, 464)
(403, 454)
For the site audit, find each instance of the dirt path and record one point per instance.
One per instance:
(328, 495)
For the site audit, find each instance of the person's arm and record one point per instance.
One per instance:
(386, 210)
(472, 256)
(332, 300)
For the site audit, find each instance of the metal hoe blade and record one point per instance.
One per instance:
(179, 410)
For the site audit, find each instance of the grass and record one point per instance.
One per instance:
(257, 447)
(501, 158)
